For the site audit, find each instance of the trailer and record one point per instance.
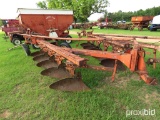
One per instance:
(140, 22)
(45, 23)
(61, 61)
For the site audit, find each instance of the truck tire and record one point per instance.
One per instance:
(35, 46)
(64, 44)
(68, 41)
(16, 41)
(26, 49)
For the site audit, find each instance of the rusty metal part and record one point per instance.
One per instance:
(134, 61)
(118, 35)
(143, 71)
(41, 58)
(61, 38)
(55, 72)
(115, 69)
(47, 64)
(77, 60)
(124, 58)
(70, 84)
(70, 67)
(59, 59)
(111, 63)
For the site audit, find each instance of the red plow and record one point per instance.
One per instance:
(61, 61)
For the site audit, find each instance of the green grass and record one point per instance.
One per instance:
(25, 95)
(145, 31)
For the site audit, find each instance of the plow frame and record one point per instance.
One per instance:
(133, 59)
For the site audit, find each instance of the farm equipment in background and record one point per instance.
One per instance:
(140, 22)
(103, 23)
(55, 26)
(61, 61)
(9, 25)
(122, 25)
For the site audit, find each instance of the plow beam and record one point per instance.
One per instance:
(37, 37)
(118, 35)
(124, 58)
(58, 50)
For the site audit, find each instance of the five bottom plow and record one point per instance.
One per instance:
(64, 61)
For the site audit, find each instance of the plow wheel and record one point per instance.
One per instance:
(57, 72)
(41, 58)
(48, 63)
(70, 84)
(111, 63)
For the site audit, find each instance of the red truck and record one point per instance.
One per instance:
(9, 25)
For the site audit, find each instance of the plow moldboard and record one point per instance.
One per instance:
(69, 84)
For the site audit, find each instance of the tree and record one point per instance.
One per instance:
(82, 9)
(42, 4)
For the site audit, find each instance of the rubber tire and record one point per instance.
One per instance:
(68, 41)
(26, 49)
(64, 44)
(16, 40)
(35, 46)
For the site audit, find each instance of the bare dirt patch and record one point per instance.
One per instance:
(5, 114)
(149, 98)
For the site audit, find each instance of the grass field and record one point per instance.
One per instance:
(25, 95)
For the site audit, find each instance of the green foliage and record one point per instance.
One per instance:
(82, 9)
(42, 4)
(120, 15)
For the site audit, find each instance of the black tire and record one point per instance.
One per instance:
(35, 46)
(101, 27)
(26, 49)
(68, 41)
(64, 44)
(16, 41)
(153, 29)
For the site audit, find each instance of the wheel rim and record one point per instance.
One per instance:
(36, 46)
(17, 42)
(68, 41)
